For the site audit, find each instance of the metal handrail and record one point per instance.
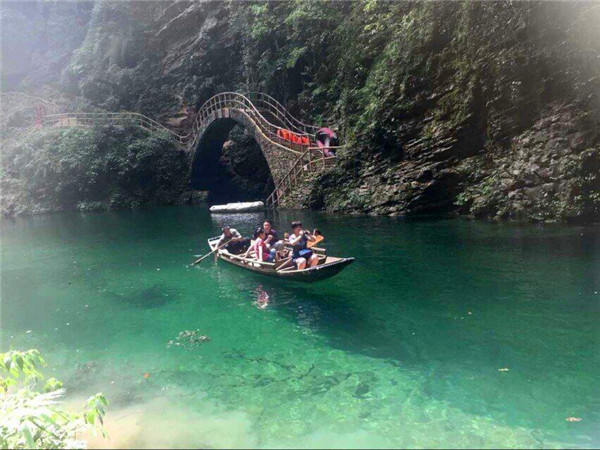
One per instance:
(308, 129)
(283, 116)
(242, 104)
(117, 114)
(265, 128)
(309, 159)
(89, 118)
(222, 100)
(234, 97)
(280, 189)
(289, 179)
(15, 94)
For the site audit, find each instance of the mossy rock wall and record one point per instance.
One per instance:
(90, 169)
(445, 106)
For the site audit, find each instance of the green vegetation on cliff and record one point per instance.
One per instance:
(90, 169)
(436, 100)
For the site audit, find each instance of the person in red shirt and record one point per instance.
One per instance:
(261, 251)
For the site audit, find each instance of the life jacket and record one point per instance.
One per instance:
(292, 137)
(284, 134)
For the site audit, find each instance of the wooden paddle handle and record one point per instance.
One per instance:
(208, 254)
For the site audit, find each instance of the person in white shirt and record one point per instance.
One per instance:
(301, 255)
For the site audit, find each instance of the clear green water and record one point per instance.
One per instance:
(401, 349)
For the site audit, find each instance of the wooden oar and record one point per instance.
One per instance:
(318, 239)
(285, 264)
(208, 254)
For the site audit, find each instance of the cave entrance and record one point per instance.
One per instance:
(229, 164)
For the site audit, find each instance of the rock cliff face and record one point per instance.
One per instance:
(549, 172)
(489, 109)
(38, 40)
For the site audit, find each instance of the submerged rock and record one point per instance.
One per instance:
(152, 297)
(188, 339)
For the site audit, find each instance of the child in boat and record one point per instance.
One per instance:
(318, 237)
(261, 251)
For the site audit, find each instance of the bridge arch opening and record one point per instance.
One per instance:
(229, 164)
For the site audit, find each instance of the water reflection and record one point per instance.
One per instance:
(262, 298)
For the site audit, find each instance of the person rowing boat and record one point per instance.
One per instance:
(233, 241)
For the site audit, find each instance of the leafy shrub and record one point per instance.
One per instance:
(30, 411)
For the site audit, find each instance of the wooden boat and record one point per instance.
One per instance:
(328, 266)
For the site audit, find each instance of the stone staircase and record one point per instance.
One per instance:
(295, 185)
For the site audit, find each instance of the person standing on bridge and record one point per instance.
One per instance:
(325, 138)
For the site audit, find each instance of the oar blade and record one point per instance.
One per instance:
(316, 241)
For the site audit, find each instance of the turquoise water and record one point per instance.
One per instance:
(403, 348)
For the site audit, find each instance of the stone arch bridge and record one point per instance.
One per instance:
(287, 144)
(292, 161)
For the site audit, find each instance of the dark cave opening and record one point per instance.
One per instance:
(230, 166)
